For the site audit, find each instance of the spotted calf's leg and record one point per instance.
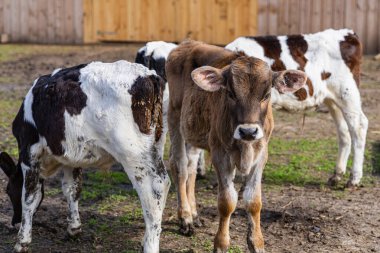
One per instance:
(30, 200)
(193, 155)
(152, 184)
(344, 142)
(72, 187)
(253, 204)
(227, 200)
(357, 123)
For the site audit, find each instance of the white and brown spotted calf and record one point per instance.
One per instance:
(331, 59)
(220, 101)
(89, 115)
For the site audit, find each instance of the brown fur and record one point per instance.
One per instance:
(351, 51)
(325, 75)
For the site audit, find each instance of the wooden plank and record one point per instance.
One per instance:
(78, 21)
(327, 14)
(15, 20)
(50, 25)
(59, 21)
(305, 16)
(294, 12)
(88, 21)
(42, 20)
(283, 17)
(361, 11)
(273, 16)
(372, 27)
(350, 14)
(1, 17)
(68, 22)
(262, 17)
(33, 21)
(316, 16)
(338, 14)
(252, 14)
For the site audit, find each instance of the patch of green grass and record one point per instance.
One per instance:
(103, 184)
(235, 249)
(52, 191)
(307, 161)
(9, 108)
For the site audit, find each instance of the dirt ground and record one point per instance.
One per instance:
(295, 218)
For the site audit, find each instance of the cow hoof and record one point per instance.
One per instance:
(220, 250)
(334, 180)
(186, 229)
(197, 222)
(21, 247)
(352, 185)
(74, 232)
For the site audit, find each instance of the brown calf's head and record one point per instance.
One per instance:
(14, 186)
(247, 84)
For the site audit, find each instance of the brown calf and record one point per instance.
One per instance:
(220, 101)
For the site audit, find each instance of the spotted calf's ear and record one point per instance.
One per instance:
(7, 164)
(289, 80)
(208, 78)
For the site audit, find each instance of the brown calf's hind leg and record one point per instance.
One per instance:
(193, 155)
(178, 167)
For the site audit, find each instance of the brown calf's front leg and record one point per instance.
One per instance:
(227, 200)
(252, 199)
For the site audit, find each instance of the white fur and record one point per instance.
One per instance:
(159, 49)
(28, 115)
(55, 71)
(323, 54)
(104, 132)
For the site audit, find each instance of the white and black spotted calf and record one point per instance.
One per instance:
(154, 55)
(331, 59)
(89, 115)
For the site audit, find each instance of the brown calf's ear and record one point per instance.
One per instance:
(7, 164)
(289, 80)
(208, 78)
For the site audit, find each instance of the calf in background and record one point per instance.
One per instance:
(331, 60)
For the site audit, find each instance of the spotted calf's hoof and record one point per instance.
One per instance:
(186, 228)
(74, 232)
(334, 180)
(21, 247)
(351, 185)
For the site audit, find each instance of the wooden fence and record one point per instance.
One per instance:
(42, 21)
(213, 21)
(308, 16)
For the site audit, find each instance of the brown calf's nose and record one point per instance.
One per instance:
(248, 133)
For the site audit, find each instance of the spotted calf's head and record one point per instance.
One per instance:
(14, 186)
(246, 86)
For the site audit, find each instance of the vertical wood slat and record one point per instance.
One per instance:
(372, 27)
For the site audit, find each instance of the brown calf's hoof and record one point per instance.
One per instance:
(334, 180)
(197, 222)
(219, 250)
(21, 247)
(186, 229)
